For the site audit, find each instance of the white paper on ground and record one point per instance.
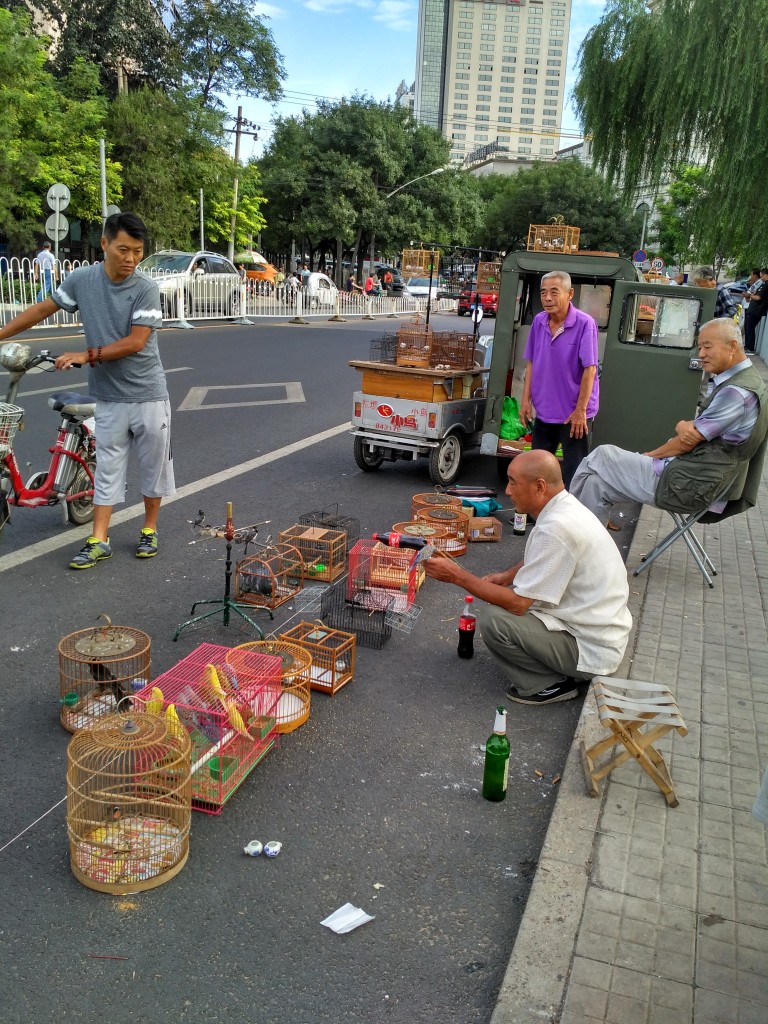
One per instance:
(346, 918)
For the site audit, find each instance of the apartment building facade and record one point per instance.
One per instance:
(493, 71)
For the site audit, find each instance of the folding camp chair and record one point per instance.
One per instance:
(684, 528)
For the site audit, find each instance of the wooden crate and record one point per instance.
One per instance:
(333, 654)
(416, 387)
(484, 529)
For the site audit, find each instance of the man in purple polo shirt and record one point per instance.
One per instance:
(561, 387)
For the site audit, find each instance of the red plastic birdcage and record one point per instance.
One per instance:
(381, 577)
(227, 702)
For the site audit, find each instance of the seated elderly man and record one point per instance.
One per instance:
(559, 616)
(707, 454)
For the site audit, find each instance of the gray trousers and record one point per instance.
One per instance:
(533, 656)
(610, 474)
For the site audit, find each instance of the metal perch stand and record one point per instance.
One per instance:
(226, 604)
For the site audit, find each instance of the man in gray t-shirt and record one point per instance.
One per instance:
(120, 312)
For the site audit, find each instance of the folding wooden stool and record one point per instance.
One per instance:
(625, 706)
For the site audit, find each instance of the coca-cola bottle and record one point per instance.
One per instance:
(467, 624)
(400, 540)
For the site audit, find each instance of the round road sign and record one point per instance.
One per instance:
(657, 264)
(54, 233)
(639, 256)
(112, 209)
(477, 314)
(58, 196)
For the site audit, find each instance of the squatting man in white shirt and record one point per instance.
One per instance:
(560, 616)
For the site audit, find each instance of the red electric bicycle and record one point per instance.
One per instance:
(68, 481)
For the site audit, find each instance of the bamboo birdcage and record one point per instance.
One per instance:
(553, 237)
(417, 262)
(98, 668)
(227, 707)
(270, 578)
(332, 651)
(295, 670)
(455, 520)
(488, 276)
(414, 345)
(452, 350)
(129, 802)
(430, 499)
(323, 550)
(438, 536)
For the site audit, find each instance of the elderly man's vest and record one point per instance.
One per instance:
(695, 480)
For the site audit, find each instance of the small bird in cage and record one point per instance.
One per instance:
(108, 683)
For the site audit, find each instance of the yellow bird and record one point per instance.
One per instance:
(174, 722)
(212, 684)
(236, 720)
(155, 705)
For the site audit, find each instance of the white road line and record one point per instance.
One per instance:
(70, 537)
(79, 384)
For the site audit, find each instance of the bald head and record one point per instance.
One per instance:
(540, 465)
(533, 479)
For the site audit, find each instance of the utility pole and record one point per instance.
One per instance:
(240, 129)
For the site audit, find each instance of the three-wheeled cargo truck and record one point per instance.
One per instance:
(650, 374)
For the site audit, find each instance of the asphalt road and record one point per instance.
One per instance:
(376, 799)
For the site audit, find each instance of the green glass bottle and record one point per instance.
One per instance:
(496, 768)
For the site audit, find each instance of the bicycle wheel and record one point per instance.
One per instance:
(80, 510)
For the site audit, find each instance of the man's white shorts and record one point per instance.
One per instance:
(144, 427)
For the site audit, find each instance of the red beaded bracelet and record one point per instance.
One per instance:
(91, 358)
(98, 354)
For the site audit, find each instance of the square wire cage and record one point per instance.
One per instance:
(451, 350)
(270, 578)
(332, 650)
(368, 623)
(323, 550)
(384, 349)
(376, 568)
(229, 709)
(330, 518)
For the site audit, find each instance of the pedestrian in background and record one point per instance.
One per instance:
(561, 391)
(44, 264)
(705, 277)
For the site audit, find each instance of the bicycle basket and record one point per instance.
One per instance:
(10, 417)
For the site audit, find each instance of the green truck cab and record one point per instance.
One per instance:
(650, 374)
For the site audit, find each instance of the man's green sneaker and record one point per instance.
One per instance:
(93, 552)
(147, 544)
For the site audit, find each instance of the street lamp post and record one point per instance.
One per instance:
(437, 170)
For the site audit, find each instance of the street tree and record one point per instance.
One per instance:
(226, 48)
(568, 189)
(684, 81)
(49, 132)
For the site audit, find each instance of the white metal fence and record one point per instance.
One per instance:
(211, 296)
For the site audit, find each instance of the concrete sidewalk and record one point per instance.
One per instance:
(641, 913)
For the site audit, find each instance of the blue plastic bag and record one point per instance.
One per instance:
(482, 506)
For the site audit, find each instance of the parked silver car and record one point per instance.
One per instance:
(206, 283)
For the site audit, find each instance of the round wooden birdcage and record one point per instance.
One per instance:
(455, 520)
(432, 499)
(129, 801)
(296, 672)
(433, 533)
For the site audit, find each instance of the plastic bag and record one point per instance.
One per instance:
(482, 506)
(511, 426)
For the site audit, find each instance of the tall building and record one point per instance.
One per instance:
(493, 71)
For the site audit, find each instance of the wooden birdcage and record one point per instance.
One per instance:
(488, 277)
(484, 529)
(323, 551)
(450, 350)
(382, 577)
(228, 709)
(293, 707)
(553, 237)
(432, 499)
(414, 345)
(437, 536)
(332, 651)
(270, 578)
(330, 518)
(129, 802)
(417, 262)
(99, 668)
(455, 520)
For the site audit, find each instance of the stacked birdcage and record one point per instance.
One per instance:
(438, 536)
(488, 276)
(357, 615)
(455, 520)
(432, 499)
(227, 704)
(330, 518)
(292, 708)
(323, 550)
(332, 652)
(99, 668)
(553, 238)
(414, 345)
(270, 578)
(382, 577)
(450, 350)
(129, 804)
